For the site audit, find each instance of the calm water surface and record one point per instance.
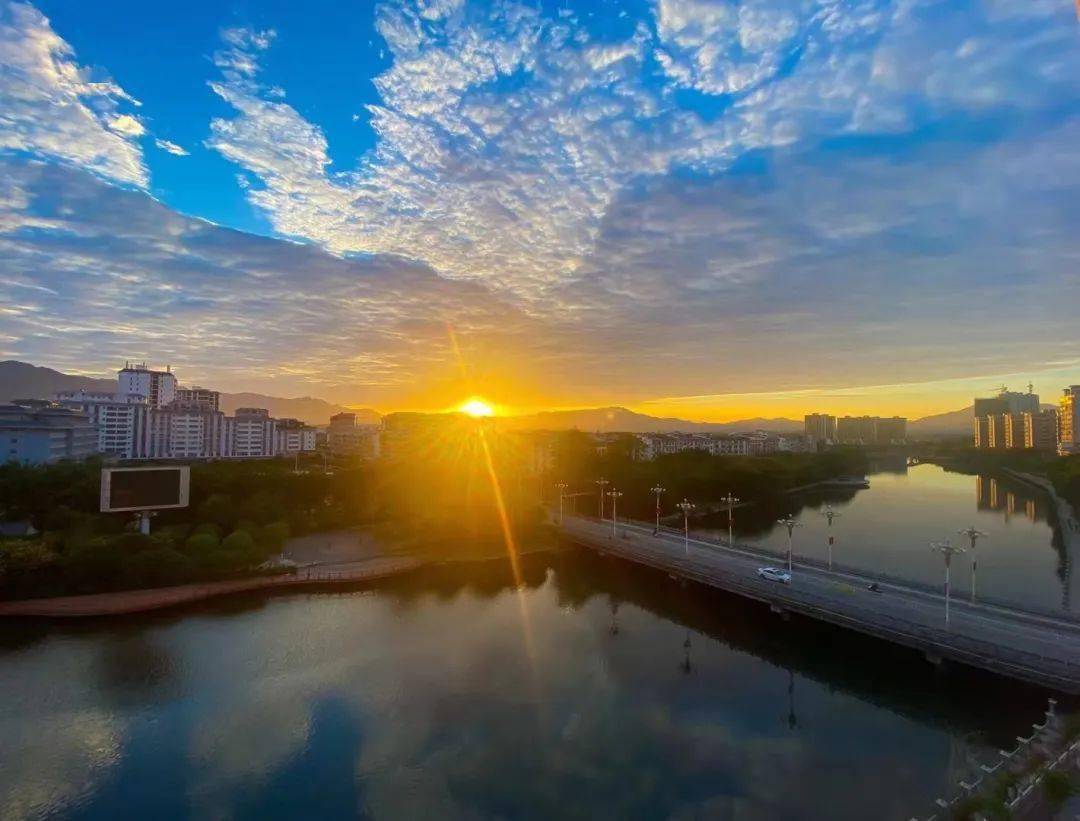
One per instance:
(599, 690)
(888, 527)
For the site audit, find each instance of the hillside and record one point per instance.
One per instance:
(617, 419)
(19, 380)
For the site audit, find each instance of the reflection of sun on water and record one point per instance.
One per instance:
(476, 407)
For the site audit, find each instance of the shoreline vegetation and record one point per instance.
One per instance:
(455, 492)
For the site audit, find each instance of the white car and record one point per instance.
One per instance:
(774, 574)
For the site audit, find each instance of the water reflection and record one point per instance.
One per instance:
(414, 698)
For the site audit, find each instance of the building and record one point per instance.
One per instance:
(1015, 436)
(293, 436)
(820, 427)
(1068, 421)
(995, 426)
(159, 387)
(250, 434)
(856, 430)
(121, 422)
(1006, 404)
(890, 430)
(345, 436)
(203, 397)
(39, 433)
(1040, 430)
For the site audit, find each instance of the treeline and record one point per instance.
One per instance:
(694, 475)
(241, 514)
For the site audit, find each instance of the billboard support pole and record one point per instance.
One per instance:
(144, 522)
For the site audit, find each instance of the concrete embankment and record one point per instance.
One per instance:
(126, 602)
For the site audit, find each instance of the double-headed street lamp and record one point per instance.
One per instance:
(790, 523)
(561, 487)
(601, 482)
(974, 535)
(947, 549)
(730, 500)
(657, 490)
(614, 494)
(686, 506)
(830, 514)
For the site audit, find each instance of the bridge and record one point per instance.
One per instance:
(1036, 648)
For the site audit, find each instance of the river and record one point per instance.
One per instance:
(888, 528)
(596, 689)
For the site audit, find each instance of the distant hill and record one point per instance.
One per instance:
(19, 380)
(616, 419)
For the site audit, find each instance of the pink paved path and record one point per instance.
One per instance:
(137, 601)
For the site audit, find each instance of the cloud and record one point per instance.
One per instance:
(171, 147)
(50, 106)
(504, 137)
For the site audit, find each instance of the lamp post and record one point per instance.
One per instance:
(947, 549)
(974, 535)
(561, 487)
(601, 482)
(730, 500)
(657, 490)
(686, 506)
(790, 523)
(614, 494)
(830, 514)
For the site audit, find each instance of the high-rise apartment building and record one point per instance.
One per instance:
(202, 397)
(1007, 405)
(1015, 430)
(1040, 430)
(1068, 419)
(820, 427)
(159, 387)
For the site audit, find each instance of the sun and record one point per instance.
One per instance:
(476, 407)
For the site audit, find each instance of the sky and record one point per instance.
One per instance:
(712, 210)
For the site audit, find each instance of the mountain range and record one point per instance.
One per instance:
(19, 380)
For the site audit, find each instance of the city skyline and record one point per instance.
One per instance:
(671, 207)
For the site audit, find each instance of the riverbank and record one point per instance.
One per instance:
(1067, 521)
(127, 602)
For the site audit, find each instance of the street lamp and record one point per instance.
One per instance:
(974, 535)
(686, 506)
(614, 494)
(657, 490)
(601, 483)
(790, 523)
(947, 549)
(730, 500)
(830, 514)
(561, 487)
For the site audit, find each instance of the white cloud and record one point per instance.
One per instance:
(171, 147)
(51, 106)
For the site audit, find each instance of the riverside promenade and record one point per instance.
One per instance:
(125, 602)
(1035, 648)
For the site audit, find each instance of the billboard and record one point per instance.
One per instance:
(150, 488)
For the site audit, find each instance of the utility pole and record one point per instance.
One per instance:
(561, 487)
(686, 506)
(657, 490)
(974, 535)
(601, 482)
(790, 523)
(614, 494)
(830, 514)
(947, 549)
(730, 500)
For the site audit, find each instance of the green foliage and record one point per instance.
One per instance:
(200, 544)
(977, 807)
(274, 536)
(220, 510)
(1058, 787)
(239, 541)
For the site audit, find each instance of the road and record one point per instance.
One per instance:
(1028, 646)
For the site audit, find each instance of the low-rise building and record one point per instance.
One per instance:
(40, 433)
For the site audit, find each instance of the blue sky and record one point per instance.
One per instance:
(693, 207)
